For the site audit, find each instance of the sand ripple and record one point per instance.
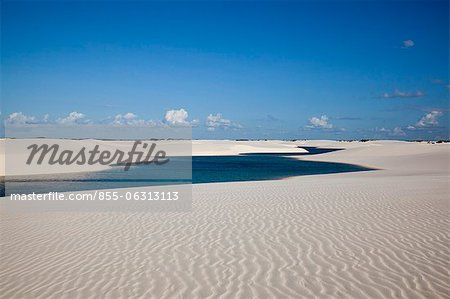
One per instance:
(343, 236)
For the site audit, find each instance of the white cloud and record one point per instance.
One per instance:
(429, 119)
(320, 123)
(18, 118)
(176, 117)
(397, 131)
(217, 121)
(403, 94)
(130, 116)
(129, 119)
(409, 43)
(383, 130)
(73, 118)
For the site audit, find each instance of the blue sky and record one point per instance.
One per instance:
(334, 70)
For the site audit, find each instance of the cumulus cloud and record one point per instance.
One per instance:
(409, 43)
(397, 131)
(18, 118)
(73, 118)
(429, 120)
(128, 119)
(130, 116)
(320, 122)
(382, 130)
(176, 117)
(403, 94)
(214, 122)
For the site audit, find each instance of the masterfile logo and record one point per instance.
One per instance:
(53, 155)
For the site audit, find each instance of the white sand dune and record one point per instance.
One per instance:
(231, 147)
(377, 234)
(18, 153)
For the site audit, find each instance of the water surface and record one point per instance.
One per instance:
(205, 169)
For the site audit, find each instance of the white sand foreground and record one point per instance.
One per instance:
(377, 234)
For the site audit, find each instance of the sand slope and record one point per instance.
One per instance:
(379, 234)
